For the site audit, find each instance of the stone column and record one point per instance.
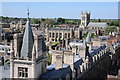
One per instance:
(36, 44)
(66, 44)
(63, 43)
(48, 35)
(11, 69)
(74, 49)
(59, 61)
(67, 36)
(33, 71)
(55, 36)
(90, 44)
(79, 33)
(58, 36)
(71, 33)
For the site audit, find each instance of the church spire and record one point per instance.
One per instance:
(27, 44)
(28, 13)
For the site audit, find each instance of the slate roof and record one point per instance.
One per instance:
(97, 24)
(27, 45)
(60, 73)
(62, 29)
(75, 42)
(95, 50)
(56, 74)
(104, 37)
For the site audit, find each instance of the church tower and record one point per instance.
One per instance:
(85, 19)
(30, 61)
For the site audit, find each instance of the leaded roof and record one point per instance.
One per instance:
(27, 44)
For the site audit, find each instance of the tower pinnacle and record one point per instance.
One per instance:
(28, 40)
(28, 13)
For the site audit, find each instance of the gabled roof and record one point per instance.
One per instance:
(97, 24)
(27, 45)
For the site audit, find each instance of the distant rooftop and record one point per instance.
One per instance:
(57, 28)
(97, 24)
(60, 73)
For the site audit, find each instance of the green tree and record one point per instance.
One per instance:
(99, 20)
(49, 21)
(110, 29)
(49, 58)
(85, 35)
(34, 21)
(42, 19)
(92, 35)
(61, 20)
(111, 24)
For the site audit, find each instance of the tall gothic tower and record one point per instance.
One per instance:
(28, 61)
(85, 19)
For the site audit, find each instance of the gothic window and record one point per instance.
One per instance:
(68, 35)
(22, 72)
(65, 35)
(50, 34)
(56, 35)
(60, 35)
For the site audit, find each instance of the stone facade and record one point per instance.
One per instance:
(60, 34)
(27, 61)
(89, 59)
